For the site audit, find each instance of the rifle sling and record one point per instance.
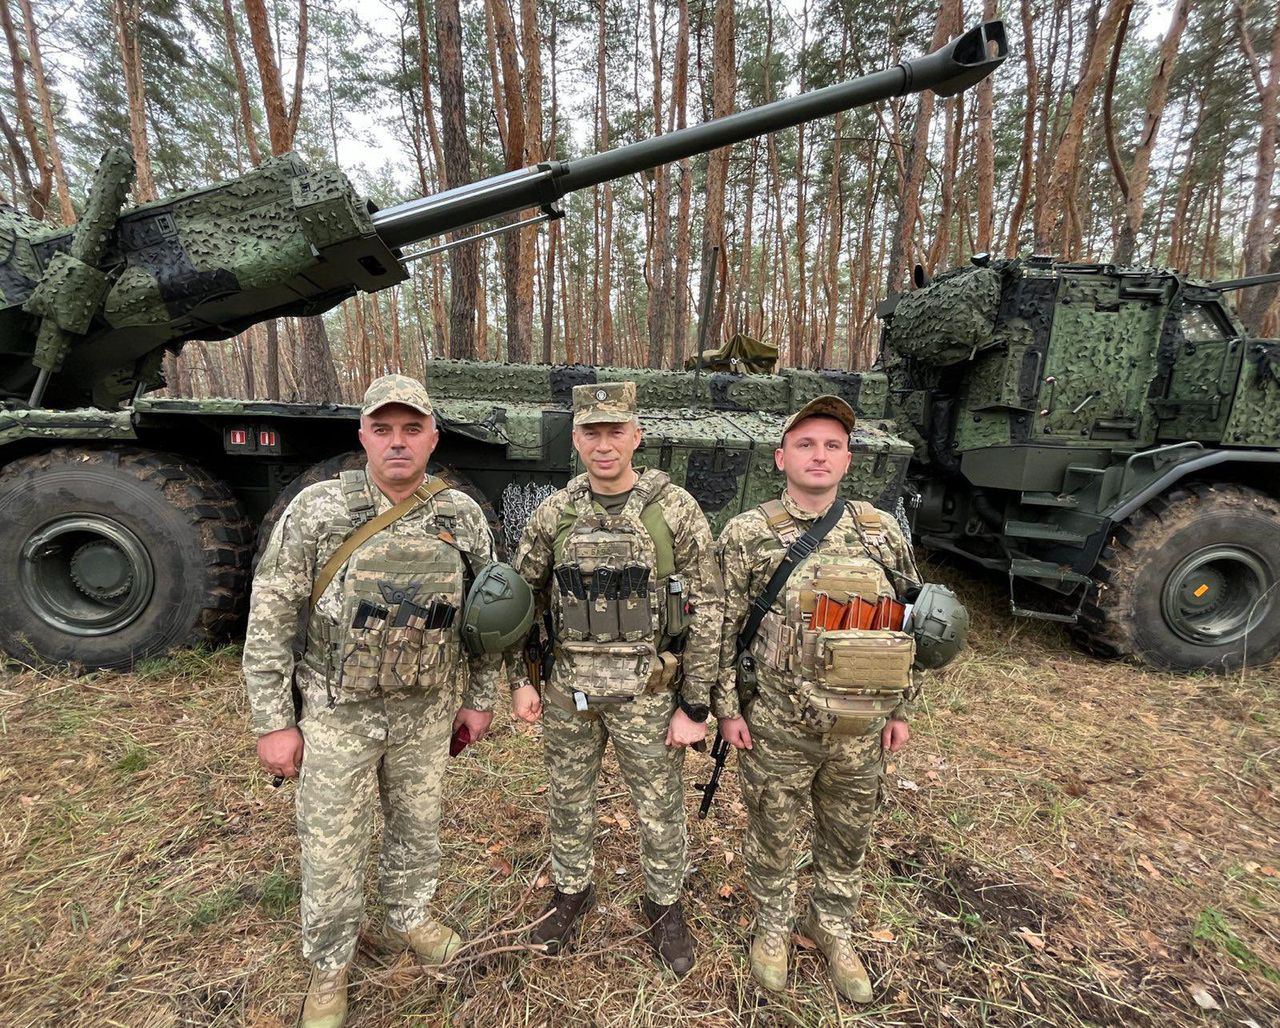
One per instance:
(369, 529)
(796, 552)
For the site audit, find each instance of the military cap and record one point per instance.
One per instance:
(604, 403)
(827, 406)
(396, 389)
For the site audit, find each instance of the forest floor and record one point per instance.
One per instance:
(1064, 842)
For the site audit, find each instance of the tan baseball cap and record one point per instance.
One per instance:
(604, 403)
(828, 406)
(396, 389)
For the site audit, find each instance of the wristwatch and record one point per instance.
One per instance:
(694, 712)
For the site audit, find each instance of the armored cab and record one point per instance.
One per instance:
(1107, 437)
(131, 520)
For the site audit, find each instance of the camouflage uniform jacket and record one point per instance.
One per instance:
(313, 526)
(749, 552)
(693, 550)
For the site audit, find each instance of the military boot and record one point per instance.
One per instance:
(431, 941)
(847, 973)
(669, 935)
(769, 959)
(560, 917)
(326, 1003)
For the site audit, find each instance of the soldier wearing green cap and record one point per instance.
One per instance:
(382, 676)
(816, 689)
(624, 562)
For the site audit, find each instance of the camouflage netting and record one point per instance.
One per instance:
(946, 322)
(740, 355)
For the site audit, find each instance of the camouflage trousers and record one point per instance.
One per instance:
(782, 775)
(340, 772)
(574, 748)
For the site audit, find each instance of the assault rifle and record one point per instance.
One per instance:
(720, 753)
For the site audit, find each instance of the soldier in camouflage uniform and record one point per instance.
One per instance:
(791, 757)
(625, 561)
(382, 679)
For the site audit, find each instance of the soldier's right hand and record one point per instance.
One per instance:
(735, 732)
(526, 704)
(280, 753)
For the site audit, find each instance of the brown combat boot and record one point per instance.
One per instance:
(326, 1003)
(847, 972)
(431, 941)
(560, 917)
(669, 935)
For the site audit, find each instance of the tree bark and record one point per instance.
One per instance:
(1260, 233)
(38, 196)
(604, 256)
(724, 82)
(680, 101)
(986, 157)
(242, 83)
(463, 260)
(46, 114)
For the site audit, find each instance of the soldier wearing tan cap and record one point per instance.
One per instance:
(383, 678)
(624, 561)
(787, 715)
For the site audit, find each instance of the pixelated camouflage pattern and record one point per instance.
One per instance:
(785, 775)
(573, 747)
(693, 550)
(341, 771)
(749, 552)
(313, 526)
(396, 389)
(604, 403)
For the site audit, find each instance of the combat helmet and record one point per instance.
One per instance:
(498, 610)
(940, 624)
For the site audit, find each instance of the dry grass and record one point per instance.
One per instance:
(1065, 842)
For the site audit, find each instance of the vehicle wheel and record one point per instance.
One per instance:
(331, 467)
(116, 554)
(1191, 581)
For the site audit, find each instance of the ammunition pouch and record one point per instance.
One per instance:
(615, 670)
(858, 676)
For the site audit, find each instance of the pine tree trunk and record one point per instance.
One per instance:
(986, 158)
(724, 82)
(46, 114)
(38, 196)
(1260, 234)
(242, 84)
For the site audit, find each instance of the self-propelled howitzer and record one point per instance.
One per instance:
(130, 519)
(87, 313)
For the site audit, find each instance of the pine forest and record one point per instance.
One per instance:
(1129, 131)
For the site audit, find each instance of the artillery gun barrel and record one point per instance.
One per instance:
(964, 61)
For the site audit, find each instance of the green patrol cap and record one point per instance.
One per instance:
(828, 406)
(396, 389)
(604, 403)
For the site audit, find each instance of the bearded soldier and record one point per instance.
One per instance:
(625, 562)
(826, 675)
(378, 560)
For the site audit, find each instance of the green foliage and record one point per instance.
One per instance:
(1211, 927)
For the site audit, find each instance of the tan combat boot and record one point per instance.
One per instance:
(431, 941)
(326, 1003)
(847, 973)
(769, 959)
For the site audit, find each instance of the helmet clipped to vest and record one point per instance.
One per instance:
(498, 610)
(940, 624)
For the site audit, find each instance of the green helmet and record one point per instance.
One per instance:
(940, 623)
(498, 610)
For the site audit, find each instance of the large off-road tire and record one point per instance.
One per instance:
(355, 460)
(1191, 581)
(111, 555)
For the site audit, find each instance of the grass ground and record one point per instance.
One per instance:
(1065, 842)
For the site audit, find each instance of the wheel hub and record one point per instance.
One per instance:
(86, 574)
(1217, 595)
(101, 570)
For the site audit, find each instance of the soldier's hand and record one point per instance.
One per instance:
(895, 735)
(683, 731)
(477, 722)
(735, 732)
(526, 704)
(280, 752)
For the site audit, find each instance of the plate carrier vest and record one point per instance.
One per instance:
(847, 678)
(379, 642)
(618, 604)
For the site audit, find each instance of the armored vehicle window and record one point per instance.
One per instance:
(1200, 325)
